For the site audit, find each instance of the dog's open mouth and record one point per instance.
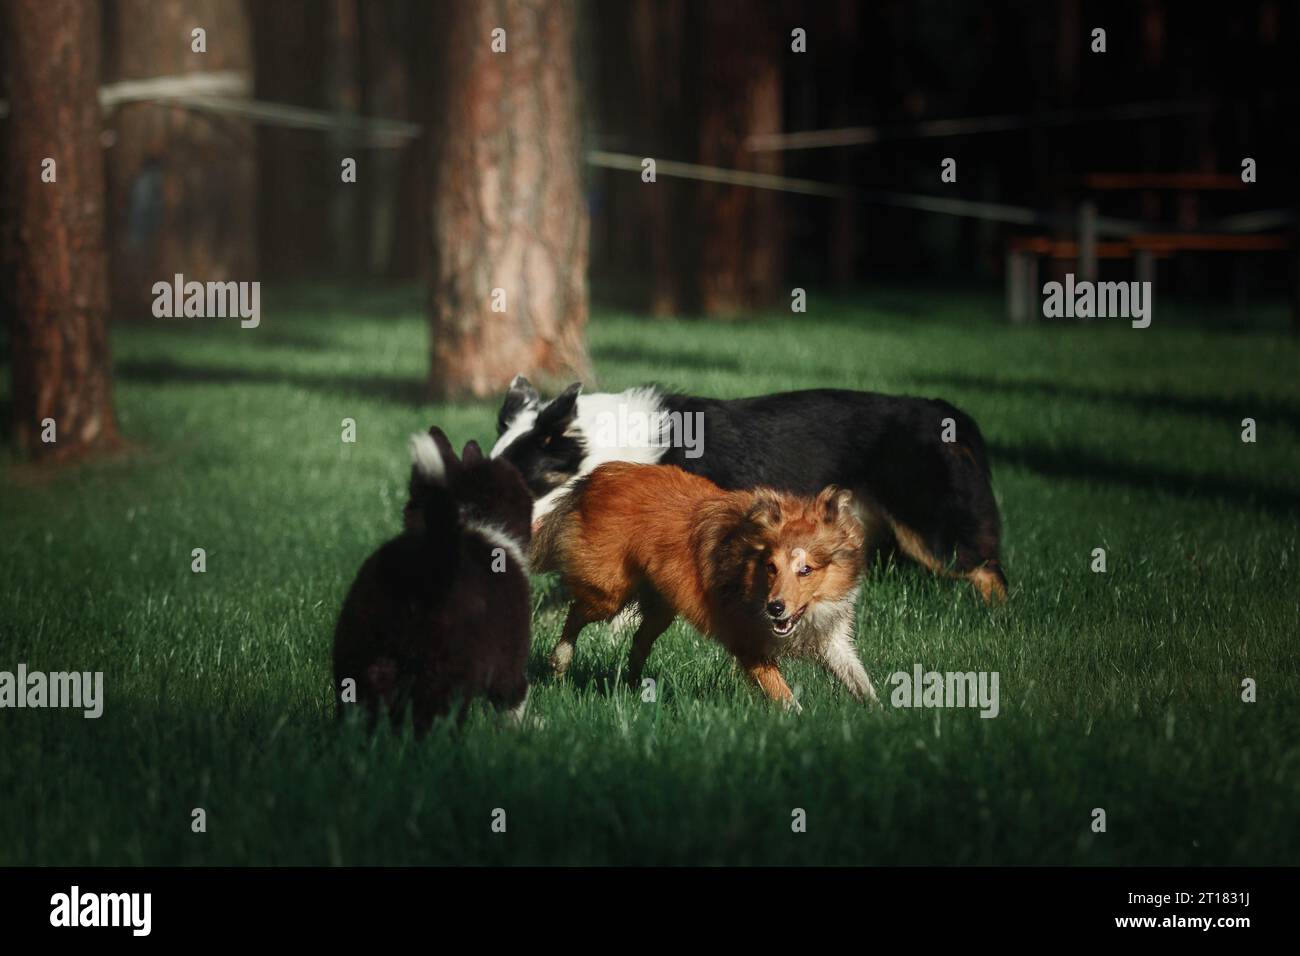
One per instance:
(784, 626)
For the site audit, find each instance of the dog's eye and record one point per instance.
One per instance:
(546, 441)
(771, 567)
(805, 571)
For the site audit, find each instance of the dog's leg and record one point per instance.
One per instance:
(841, 660)
(510, 699)
(913, 545)
(562, 654)
(655, 618)
(987, 579)
(990, 582)
(516, 713)
(624, 620)
(768, 677)
(514, 716)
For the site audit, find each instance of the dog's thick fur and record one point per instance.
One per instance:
(933, 496)
(440, 614)
(730, 562)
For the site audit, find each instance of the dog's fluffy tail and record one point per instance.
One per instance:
(428, 463)
(546, 552)
(432, 499)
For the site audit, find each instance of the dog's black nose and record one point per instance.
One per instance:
(776, 608)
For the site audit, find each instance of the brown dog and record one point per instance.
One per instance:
(764, 573)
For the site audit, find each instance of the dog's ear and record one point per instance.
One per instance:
(523, 390)
(833, 503)
(765, 511)
(559, 414)
(472, 455)
(835, 507)
(520, 397)
(432, 457)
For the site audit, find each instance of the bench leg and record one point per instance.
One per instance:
(1239, 279)
(1088, 241)
(1016, 287)
(1295, 274)
(1033, 300)
(1145, 265)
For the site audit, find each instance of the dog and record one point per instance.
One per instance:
(440, 614)
(917, 465)
(766, 574)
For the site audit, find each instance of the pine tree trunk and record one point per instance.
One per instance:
(657, 31)
(846, 216)
(182, 184)
(295, 178)
(508, 222)
(385, 93)
(55, 260)
(344, 80)
(742, 246)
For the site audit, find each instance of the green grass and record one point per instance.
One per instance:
(1118, 691)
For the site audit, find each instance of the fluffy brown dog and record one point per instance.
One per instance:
(766, 574)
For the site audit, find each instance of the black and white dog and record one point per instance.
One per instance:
(918, 464)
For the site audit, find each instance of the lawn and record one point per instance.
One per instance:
(1119, 690)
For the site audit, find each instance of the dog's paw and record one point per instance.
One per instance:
(560, 660)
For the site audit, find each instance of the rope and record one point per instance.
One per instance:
(227, 92)
(859, 135)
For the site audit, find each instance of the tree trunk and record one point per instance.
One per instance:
(846, 219)
(295, 176)
(54, 241)
(182, 184)
(508, 270)
(344, 80)
(658, 31)
(742, 250)
(385, 93)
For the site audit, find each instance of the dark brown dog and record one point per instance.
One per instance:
(440, 614)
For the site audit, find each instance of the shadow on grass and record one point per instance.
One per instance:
(322, 297)
(1228, 409)
(590, 669)
(223, 331)
(410, 393)
(1052, 462)
(374, 299)
(666, 358)
(1079, 464)
(584, 677)
(288, 339)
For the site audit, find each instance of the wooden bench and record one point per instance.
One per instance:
(1171, 242)
(1024, 252)
(1181, 182)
